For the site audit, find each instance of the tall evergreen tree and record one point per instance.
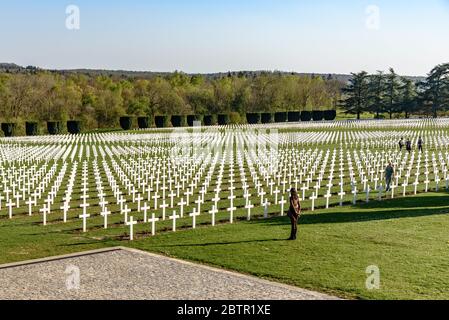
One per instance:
(391, 100)
(436, 89)
(408, 95)
(356, 94)
(376, 93)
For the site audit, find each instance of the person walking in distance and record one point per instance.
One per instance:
(420, 143)
(294, 213)
(408, 145)
(401, 144)
(389, 171)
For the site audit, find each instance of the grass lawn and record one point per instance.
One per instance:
(407, 238)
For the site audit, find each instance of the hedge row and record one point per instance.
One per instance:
(164, 121)
(32, 128)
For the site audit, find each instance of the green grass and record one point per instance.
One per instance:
(407, 238)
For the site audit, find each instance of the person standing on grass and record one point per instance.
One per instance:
(408, 145)
(420, 143)
(389, 171)
(294, 212)
(401, 144)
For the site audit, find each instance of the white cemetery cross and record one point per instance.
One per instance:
(393, 186)
(194, 214)
(172, 194)
(282, 203)
(10, 204)
(404, 188)
(213, 212)
(313, 198)
(427, 183)
(231, 209)
(163, 206)
(105, 213)
(276, 192)
(367, 193)
(304, 188)
(153, 221)
(84, 216)
(354, 192)
(131, 224)
(125, 211)
(182, 203)
(145, 208)
(198, 202)
(30, 204)
(173, 217)
(45, 210)
(155, 197)
(65, 207)
(328, 195)
(138, 199)
(380, 189)
(265, 208)
(415, 184)
(341, 194)
(249, 206)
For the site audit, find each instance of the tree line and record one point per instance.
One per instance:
(98, 101)
(393, 95)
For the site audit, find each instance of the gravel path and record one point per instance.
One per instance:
(130, 274)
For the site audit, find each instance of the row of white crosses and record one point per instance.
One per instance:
(158, 184)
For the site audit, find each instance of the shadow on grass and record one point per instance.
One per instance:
(419, 209)
(408, 202)
(393, 209)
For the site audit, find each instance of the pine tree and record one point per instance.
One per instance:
(435, 91)
(356, 94)
(377, 93)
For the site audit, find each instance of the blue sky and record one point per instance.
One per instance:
(220, 35)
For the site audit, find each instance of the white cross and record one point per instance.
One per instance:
(125, 211)
(139, 198)
(213, 212)
(84, 216)
(313, 198)
(173, 217)
(131, 224)
(10, 204)
(231, 210)
(182, 203)
(65, 208)
(265, 209)
(327, 196)
(194, 214)
(104, 213)
(153, 221)
(145, 208)
(249, 206)
(164, 205)
(282, 202)
(30, 204)
(341, 194)
(45, 210)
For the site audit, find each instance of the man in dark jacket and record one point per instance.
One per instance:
(294, 212)
(389, 171)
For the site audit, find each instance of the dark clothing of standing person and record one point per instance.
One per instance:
(294, 213)
(389, 171)
(408, 146)
(401, 144)
(420, 143)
